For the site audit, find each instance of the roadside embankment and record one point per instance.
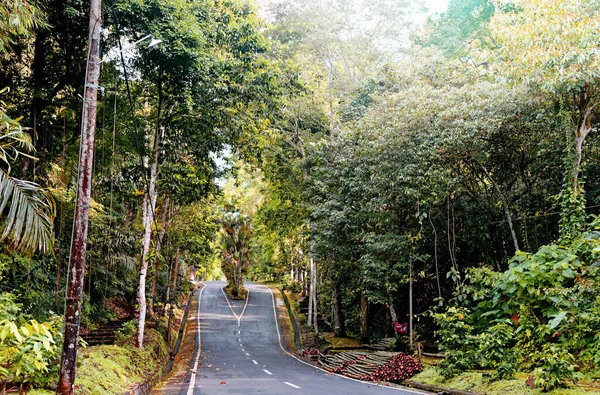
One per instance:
(122, 368)
(179, 367)
(284, 314)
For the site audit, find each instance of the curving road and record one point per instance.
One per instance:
(238, 352)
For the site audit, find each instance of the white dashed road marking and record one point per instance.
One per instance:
(267, 372)
(291, 385)
(256, 363)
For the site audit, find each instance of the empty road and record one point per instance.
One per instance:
(238, 351)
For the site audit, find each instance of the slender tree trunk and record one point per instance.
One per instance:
(313, 295)
(504, 206)
(435, 259)
(161, 236)
(151, 204)
(174, 285)
(584, 127)
(311, 292)
(291, 266)
(526, 231)
(66, 382)
(392, 309)
(339, 324)
(175, 271)
(63, 179)
(168, 293)
(364, 318)
(410, 308)
(450, 233)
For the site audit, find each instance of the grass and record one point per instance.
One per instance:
(475, 382)
(340, 342)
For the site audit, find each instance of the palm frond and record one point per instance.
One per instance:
(29, 214)
(14, 139)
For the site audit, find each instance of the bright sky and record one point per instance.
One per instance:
(436, 5)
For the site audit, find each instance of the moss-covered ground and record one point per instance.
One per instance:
(113, 369)
(477, 382)
(341, 342)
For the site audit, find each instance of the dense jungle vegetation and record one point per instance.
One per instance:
(357, 151)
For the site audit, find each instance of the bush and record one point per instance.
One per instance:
(235, 292)
(127, 331)
(293, 286)
(555, 368)
(536, 315)
(29, 353)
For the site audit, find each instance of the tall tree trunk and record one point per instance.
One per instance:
(364, 318)
(451, 237)
(504, 206)
(584, 127)
(175, 272)
(339, 324)
(435, 258)
(161, 236)
(311, 292)
(292, 278)
(66, 382)
(392, 310)
(312, 307)
(151, 204)
(168, 293)
(174, 286)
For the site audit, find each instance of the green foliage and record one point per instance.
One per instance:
(127, 331)
(536, 315)
(18, 18)
(11, 308)
(463, 21)
(29, 352)
(27, 209)
(572, 211)
(555, 368)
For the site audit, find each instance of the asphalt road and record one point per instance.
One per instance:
(240, 352)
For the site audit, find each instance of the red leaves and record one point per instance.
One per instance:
(400, 367)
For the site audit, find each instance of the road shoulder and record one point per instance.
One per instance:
(173, 382)
(285, 323)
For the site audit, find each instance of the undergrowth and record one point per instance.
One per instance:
(112, 369)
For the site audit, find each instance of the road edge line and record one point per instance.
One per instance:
(190, 390)
(323, 370)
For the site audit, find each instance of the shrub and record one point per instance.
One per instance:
(29, 352)
(536, 315)
(127, 331)
(555, 368)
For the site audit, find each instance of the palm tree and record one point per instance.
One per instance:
(235, 241)
(26, 209)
